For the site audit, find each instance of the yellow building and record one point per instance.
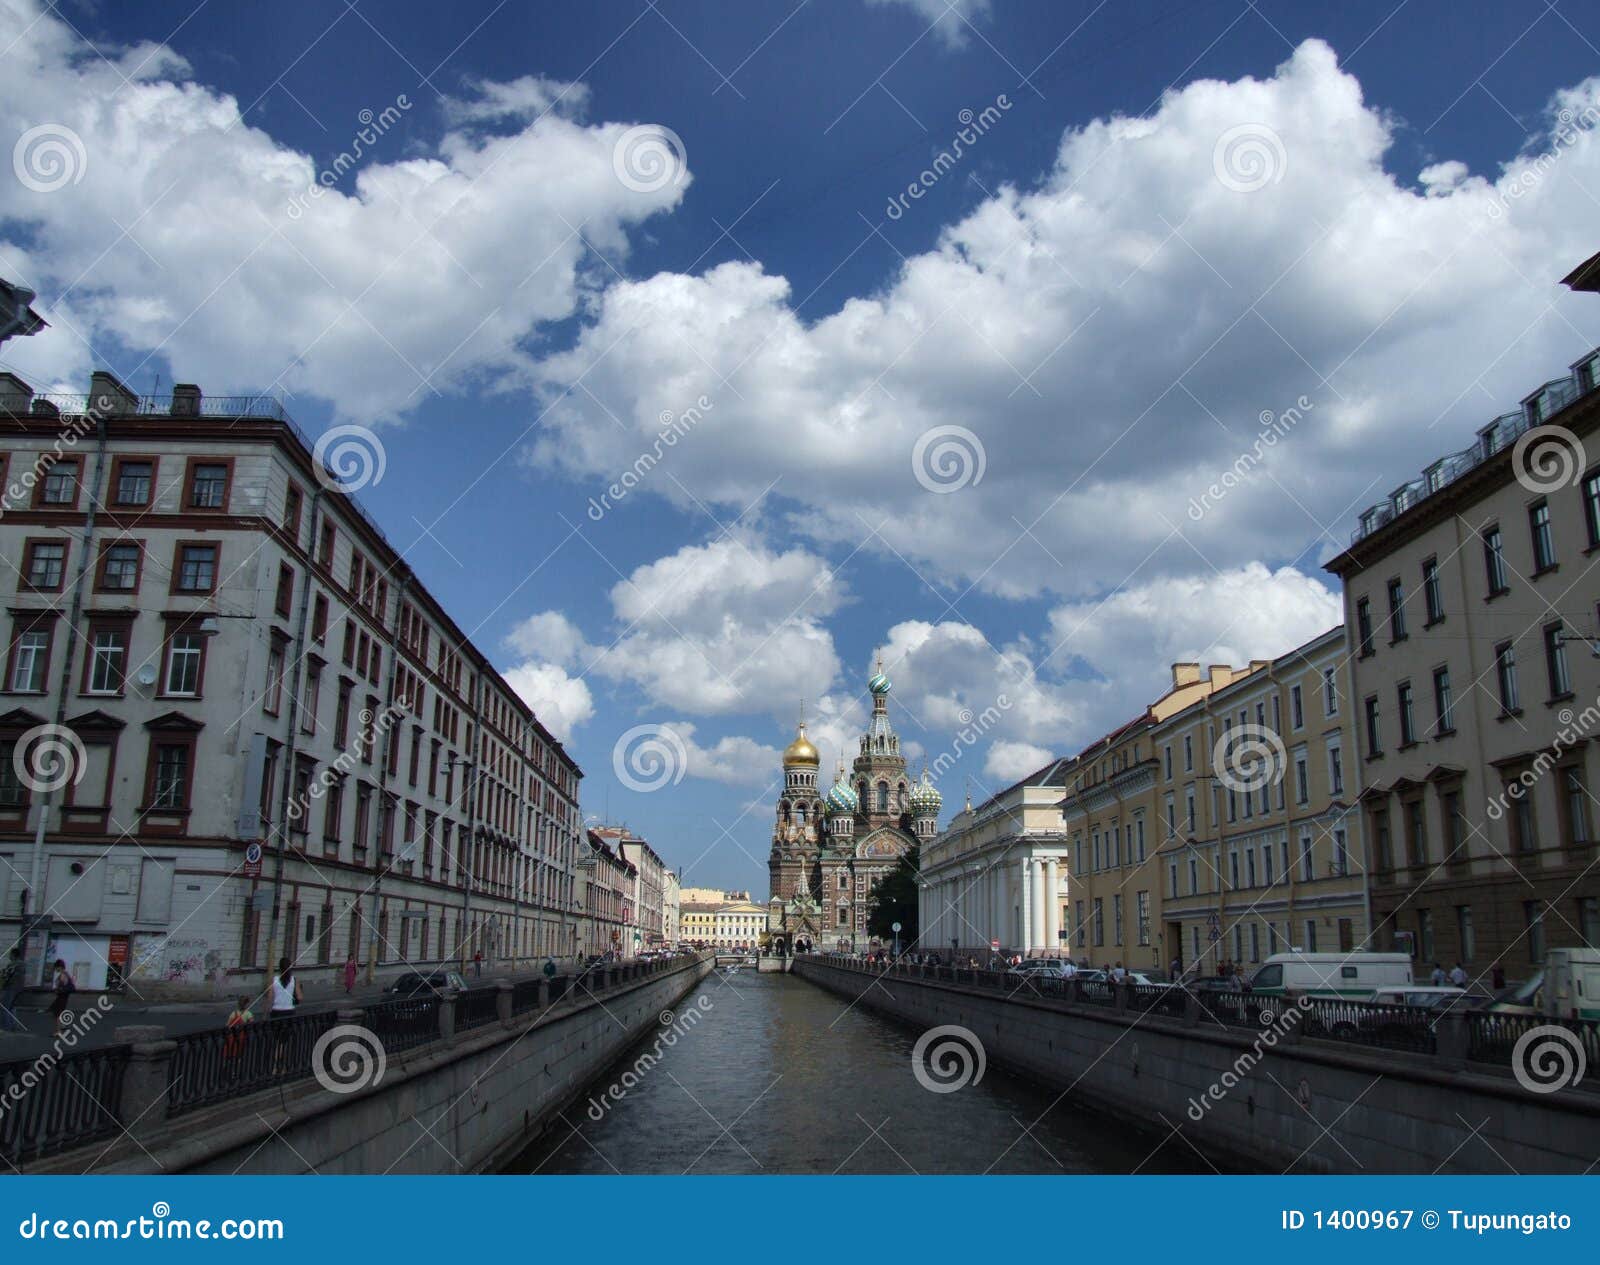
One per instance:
(1110, 819)
(1258, 842)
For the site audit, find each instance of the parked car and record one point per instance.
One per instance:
(1418, 995)
(1352, 976)
(418, 983)
(1054, 968)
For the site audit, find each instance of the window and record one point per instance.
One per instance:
(1302, 780)
(1188, 756)
(1432, 598)
(1297, 708)
(1330, 691)
(1408, 725)
(1308, 865)
(46, 564)
(1466, 935)
(1455, 828)
(1099, 920)
(13, 794)
(1142, 910)
(272, 694)
(196, 571)
(1591, 508)
(1555, 661)
(1494, 560)
(1443, 702)
(341, 717)
(311, 695)
(1166, 761)
(169, 788)
(1505, 667)
(1533, 919)
(1374, 746)
(30, 653)
(185, 653)
(1416, 832)
(119, 568)
(59, 487)
(1383, 844)
(1577, 806)
(1544, 549)
(1364, 627)
(133, 481)
(108, 658)
(291, 513)
(319, 617)
(283, 602)
(883, 797)
(1397, 611)
(1425, 934)
(208, 485)
(1524, 832)
(1335, 770)
(1116, 917)
(325, 546)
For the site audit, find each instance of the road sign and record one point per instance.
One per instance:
(894, 927)
(1216, 934)
(252, 861)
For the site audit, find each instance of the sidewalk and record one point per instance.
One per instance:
(181, 1017)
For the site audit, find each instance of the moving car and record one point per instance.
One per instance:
(417, 983)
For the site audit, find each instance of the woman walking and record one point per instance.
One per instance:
(286, 996)
(64, 986)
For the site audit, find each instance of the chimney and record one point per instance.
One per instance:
(1185, 674)
(1219, 674)
(109, 398)
(15, 394)
(185, 400)
(1257, 665)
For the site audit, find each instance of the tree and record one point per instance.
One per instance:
(895, 901)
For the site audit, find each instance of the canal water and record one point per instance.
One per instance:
(775, 1075)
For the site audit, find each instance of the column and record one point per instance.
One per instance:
(1000, 907)
(1052, 921)
(1040, 904)
(1026, 905)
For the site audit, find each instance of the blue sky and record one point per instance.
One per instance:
(1094, 291)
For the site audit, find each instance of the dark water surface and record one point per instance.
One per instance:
(778, 1076)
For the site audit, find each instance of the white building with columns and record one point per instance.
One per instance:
(997, 875)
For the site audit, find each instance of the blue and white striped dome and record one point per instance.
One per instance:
(878, 683)
(842, 796)
(925, 798)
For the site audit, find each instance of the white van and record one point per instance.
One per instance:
(1567, 986)
(1355, 976)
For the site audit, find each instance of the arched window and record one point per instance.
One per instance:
(800, 814)
(783, 810)
(883, 797)
(844, 882)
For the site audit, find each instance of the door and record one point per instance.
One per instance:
(1347, 935)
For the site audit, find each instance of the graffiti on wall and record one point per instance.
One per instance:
(175, 959)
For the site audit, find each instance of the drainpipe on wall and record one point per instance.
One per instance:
(275, 930)
(401, 590)
(30, 969)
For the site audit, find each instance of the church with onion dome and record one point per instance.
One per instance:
(831, 847)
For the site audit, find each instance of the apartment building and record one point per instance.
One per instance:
(644, 916)
(1259, 838)
(278, 742)
(671, 909)
(1472, 623)
(1110, 817)
(606, 882)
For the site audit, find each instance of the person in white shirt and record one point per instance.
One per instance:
(1458, 975)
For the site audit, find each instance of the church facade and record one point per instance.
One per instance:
(831, 848)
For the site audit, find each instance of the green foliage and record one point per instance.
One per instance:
(895, 901)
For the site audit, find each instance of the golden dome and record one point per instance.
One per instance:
(800, 751)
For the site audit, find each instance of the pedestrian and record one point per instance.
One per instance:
(1458, 975)
(286, 995)
(1497, 977)
(477, 963)
(1438, 976)
(64, 986)
(233, 1041)
(349, 973)
(1175, 969)
(10, 987)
